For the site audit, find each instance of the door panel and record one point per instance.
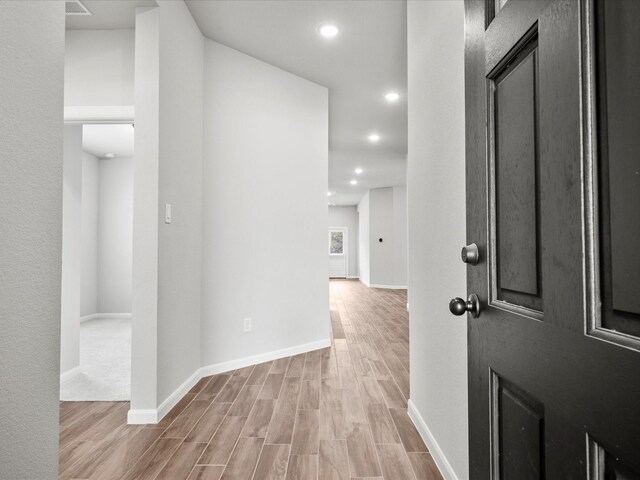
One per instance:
(514, 182)
(618, 115)
(555, 398)
(518, 426)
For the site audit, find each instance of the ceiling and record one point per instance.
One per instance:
(108, 14)
(360, 65)
(363, 62)
(101, 139)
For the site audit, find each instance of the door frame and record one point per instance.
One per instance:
(345, 247)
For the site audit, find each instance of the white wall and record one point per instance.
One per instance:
(180, 183)
(146, 217)
(264, 217)
(400, 229)
(89, 237)
(381, 226)
(347, 217)
(115, 243)
(436, 172)
(363, 240)
(168, 169)
(31, 152)
(383, 214)
(99, 67)
(71, 253)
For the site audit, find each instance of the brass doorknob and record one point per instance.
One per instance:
(458, 306)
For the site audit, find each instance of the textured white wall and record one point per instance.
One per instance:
(180, 184)
(364, 240)
(436, 172)
(89, 236)
(71, 250)
(115, 234)
(264, 255)
(99, 68)
(347, 217)
(31, 133)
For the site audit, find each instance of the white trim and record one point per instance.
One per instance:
(126, 316)
(94, 316)
(432, 445)
(263, 357)
(86, 318)
(69, 374)
(177, 394)
(352, 277)
(142, 417)
(151, 416)
(99, 114)
(345, 248)
(390, 287)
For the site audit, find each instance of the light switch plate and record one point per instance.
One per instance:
(167, 213)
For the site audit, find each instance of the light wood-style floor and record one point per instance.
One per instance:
(337, 413)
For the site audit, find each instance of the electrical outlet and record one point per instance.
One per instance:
(247, 325)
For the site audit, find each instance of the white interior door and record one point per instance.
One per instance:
(337, 252)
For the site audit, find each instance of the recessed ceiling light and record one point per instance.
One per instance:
(328, 30)
(353, 182)
(110, 155)
(332, 204)
(374, 137)
(358, 171)
(392, 96)
(329, 194)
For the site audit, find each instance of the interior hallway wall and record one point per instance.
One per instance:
(265, 208)
(436, 186)
(89, 237)
(347, 217)
(180, 184)
(115, 234)
(99, 67)
(400, 231)
(364, 240)
(31, 154)
(71, 249)
(383, 215)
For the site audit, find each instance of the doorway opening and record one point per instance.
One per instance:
(97, 262)
(338, 252)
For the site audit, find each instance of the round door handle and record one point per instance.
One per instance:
(459, 306)
(470, 254)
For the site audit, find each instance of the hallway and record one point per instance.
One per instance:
(336, 413)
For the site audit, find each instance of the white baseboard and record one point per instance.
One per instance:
(352, 277)
(154, 416)
(436, 452)
(69, 374)
(263, 357)
(86, 318)
(93, 316)
(390, 287)
(142, 417)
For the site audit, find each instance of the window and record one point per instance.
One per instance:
(336, 245)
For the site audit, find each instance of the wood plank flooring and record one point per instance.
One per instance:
(333, 414)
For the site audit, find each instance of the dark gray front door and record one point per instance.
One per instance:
(553, 202)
